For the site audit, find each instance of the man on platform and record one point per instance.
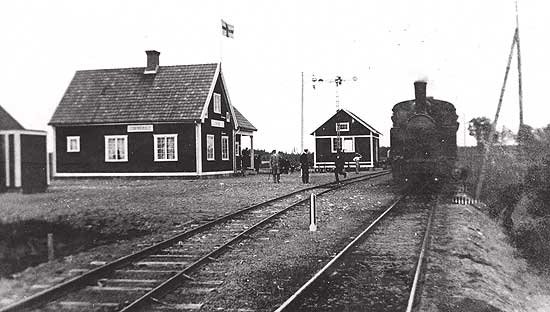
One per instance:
(304, 164)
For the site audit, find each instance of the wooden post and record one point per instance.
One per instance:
(312, 214)
(51, 254)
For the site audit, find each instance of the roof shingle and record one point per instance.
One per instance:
(173, 94)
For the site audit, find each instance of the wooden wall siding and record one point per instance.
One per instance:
(33, 163)
(324, 153)
(355, 127)
(218, 164)
(11, 152)
(2, 163)
(91, 157)
(362, 146)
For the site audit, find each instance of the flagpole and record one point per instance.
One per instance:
(302, 117)
(221, 45)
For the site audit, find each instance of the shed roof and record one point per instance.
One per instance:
(127, 95)
(7, 122)
(352, 115)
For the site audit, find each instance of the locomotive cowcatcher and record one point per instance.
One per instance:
(423, 138)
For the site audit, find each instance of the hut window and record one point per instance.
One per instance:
(342, 126)
(217, 103)
(347, 144)
(116, 148)
(225, 148)
(73, 144)
(210, 147)
(166, 147)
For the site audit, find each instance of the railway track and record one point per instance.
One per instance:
(379, 270)
(134, 282)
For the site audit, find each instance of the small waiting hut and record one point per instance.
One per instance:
(350, 133)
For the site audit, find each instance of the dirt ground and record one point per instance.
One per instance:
(108, 218)
(471, 265)
(473, 268)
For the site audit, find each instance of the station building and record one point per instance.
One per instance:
(355, 136)
(23, 157)
(148, 121)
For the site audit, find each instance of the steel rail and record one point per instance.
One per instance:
(167, 285)
(56, 291)
(329, 265)
(418, 270)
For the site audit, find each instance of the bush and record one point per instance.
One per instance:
(518, 174)
(533, 239)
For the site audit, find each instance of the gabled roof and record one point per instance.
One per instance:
(362, 121)
(125, 95)
(242, 122)
(7, 122)
(352, 115)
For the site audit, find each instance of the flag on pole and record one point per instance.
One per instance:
(227, 29)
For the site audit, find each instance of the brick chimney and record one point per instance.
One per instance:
(152, 62)
(420, 96)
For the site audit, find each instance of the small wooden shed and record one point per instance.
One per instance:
(23, 157)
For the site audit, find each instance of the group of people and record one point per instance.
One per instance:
(275, 163)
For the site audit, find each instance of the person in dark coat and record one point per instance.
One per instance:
(257, 162)
(304, 164)
(274, 164)
(246, 157)
(339, 165)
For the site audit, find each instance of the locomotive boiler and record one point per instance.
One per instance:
(423, 138)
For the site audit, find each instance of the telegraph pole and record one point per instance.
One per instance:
(520, 89)
(488, 144)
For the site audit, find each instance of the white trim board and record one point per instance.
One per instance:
(27, 132)
(137, 174)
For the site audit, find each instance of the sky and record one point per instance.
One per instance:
(460, 46)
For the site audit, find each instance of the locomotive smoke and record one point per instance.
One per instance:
(420, 96)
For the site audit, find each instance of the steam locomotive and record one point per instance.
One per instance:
(423, 138)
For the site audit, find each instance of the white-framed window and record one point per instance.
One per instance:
(225, 148)
(227, 117)
(217, 103)
(343, 126)
(346, 143)
(237, 148)
(73, 144)
(210, 147)
(166, 147)
(116, 148)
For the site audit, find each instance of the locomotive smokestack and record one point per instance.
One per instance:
(420, 96)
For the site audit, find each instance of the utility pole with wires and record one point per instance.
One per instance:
(488, 144)
(337, 82)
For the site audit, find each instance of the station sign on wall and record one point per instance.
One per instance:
(217, 123)
(140, 128)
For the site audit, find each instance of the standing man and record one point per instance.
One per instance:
(304, 164)
(257, 162)
(356, 159)
(274, 164)
(339, 165)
